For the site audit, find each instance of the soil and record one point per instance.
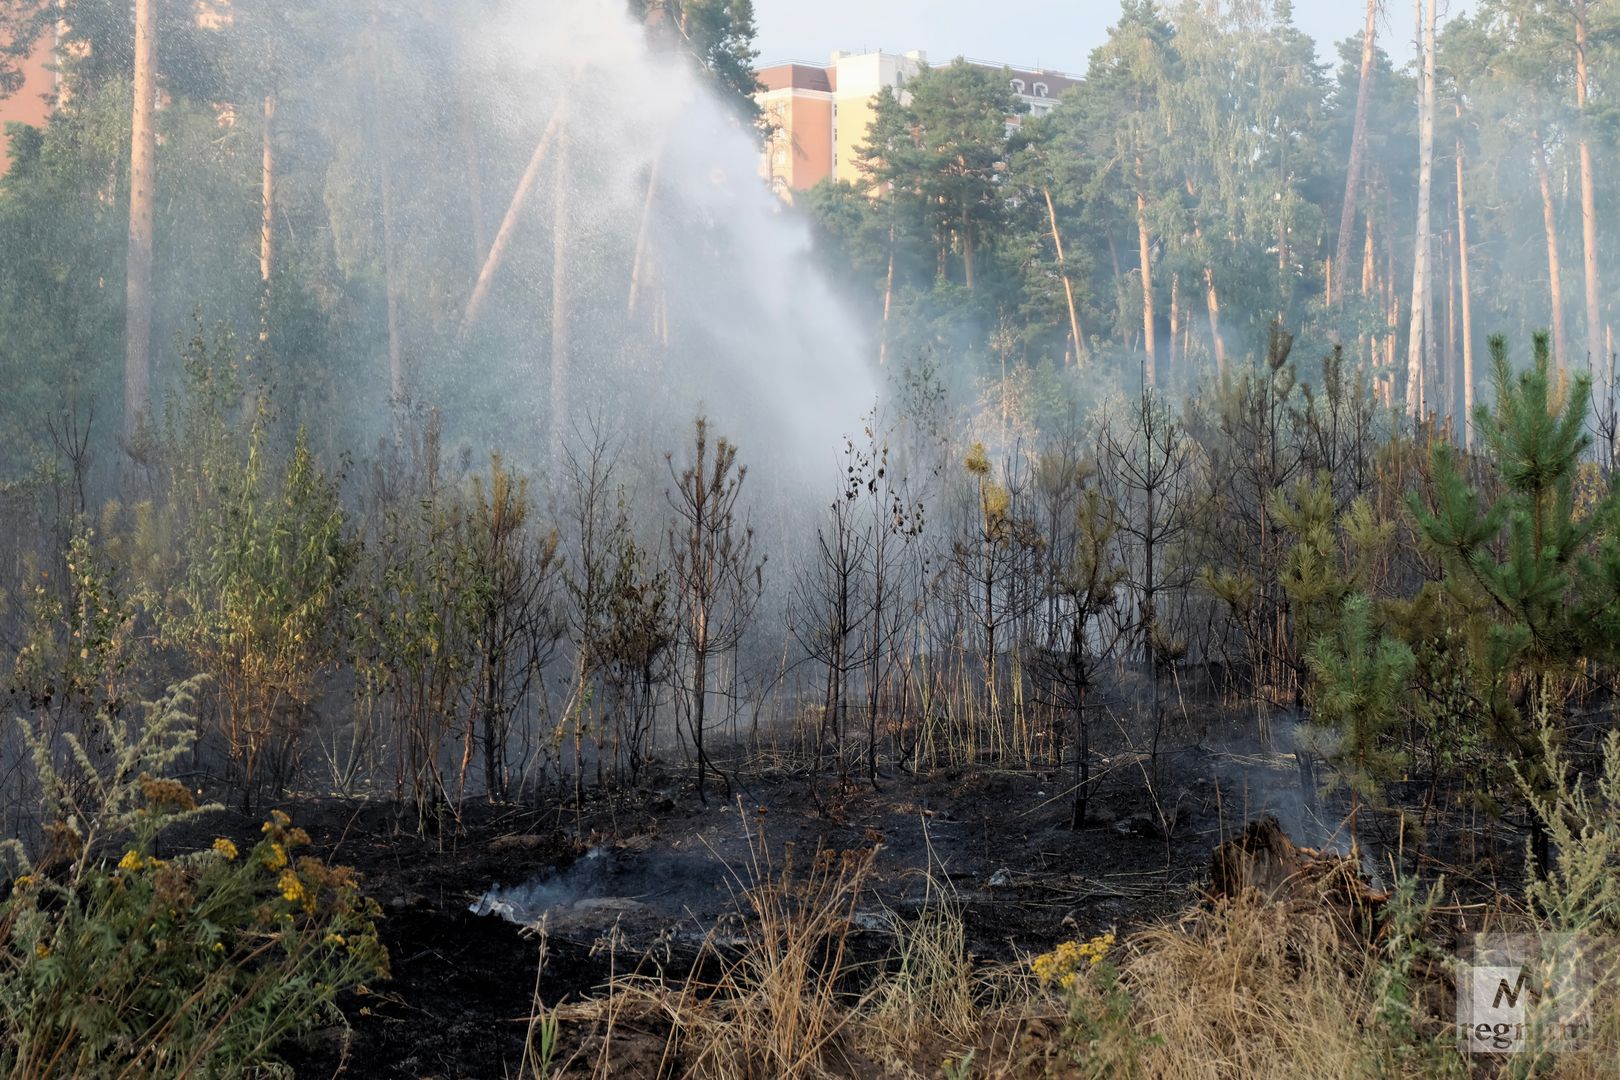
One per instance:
(658, 868)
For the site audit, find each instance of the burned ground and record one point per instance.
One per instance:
(651, 872)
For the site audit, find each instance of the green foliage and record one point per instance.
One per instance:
(257, 603)
(114, 961)
(1360, 679)
(205, 963)
(1521, 560)
(1409, 1041)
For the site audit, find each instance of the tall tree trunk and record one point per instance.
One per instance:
(396, 361)
(1449, 368)
(1594, 316)
(1063, 269)
(1172, 361)
(1358, 150)
(967, 250)
(1555, 279)
(1146, 254)
(1467, 419)
(888, 302)
(267, 194)
(503, 236)
(390, 239)
(1418, 343)
(643, 233)
(561, 346)
(475, 178)
(138, 267)
(1213, 302)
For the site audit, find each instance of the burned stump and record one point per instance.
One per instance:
(1263, 862)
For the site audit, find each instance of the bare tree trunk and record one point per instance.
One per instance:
(1358, 150)
(888, 301)
(138, 267)
(1172, 362)
(503, 237)
(1068, 287)
(385, 183)
(1467, 418)
(1555, 280)
(267, 194)
(1146, 254)
(561, 346)
(1418, 343)
(1449, 368)
(475, 179)
(1213, 302)
(1594, 316)
(967, 250)
(643, 231)
(396, 363)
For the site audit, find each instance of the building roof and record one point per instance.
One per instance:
(797, 77)
(1056, 82)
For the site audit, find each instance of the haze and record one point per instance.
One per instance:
(1057, 34)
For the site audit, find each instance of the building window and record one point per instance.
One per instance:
(1018, 86)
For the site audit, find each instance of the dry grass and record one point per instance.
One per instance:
(1246, 988)
(1251, 989)
(772, 1002)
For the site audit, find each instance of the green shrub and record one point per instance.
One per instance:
(114, 962)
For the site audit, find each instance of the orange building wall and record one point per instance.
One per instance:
(811, 125)
(32, 103)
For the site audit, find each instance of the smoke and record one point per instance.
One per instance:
(609, 884)
(685, 285)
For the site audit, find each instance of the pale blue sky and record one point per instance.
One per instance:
(1057, 34)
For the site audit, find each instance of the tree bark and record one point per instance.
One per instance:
(138, 266)
(385, 184)
(396, 361)
(561, 345)
(643, 231)
(1146, 254)
(1063, 269)
(267, 194)
(475, 179)
(1467, 419)
(1418, 345)
(1172, 361)
(1594, 316)
(967, 250)
(503, 236)
(888, 301)
(1555, 280)
(1358, 150)
(1213, 302)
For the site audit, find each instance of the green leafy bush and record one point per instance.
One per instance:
(115, 962)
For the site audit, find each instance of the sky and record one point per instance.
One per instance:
(1054, 34)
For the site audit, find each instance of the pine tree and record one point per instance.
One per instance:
(1360, 676)
(1522, 560)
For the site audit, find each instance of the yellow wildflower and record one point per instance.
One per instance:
(42, 950)
(292, 889)
(218, 946)
(1062, 966)
(277, 857)
(24, 882)
(130, 861)
(225, 848)
(336, 940)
